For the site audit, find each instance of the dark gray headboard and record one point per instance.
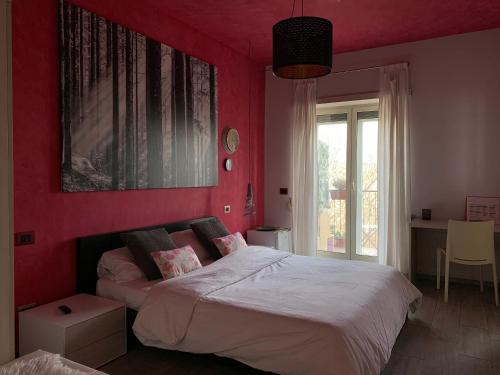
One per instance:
(89, 251)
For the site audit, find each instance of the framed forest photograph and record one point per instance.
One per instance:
(135, 113)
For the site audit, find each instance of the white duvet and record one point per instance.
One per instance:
(282, 313)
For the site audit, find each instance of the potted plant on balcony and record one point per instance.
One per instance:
(339, 191)
(339, 240)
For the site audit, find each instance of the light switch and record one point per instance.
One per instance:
(227, 209)
(24, 238)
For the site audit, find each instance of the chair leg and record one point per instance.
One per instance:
(495, 283)
(438, 271)
(481, 278)
(446, 279)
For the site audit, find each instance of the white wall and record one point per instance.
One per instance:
(455, 120)
(6, 236)
(455, 131)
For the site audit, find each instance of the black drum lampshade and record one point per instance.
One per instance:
(302, 47)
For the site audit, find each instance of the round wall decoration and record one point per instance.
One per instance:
(230, 140)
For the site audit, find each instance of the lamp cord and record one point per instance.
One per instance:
(250, 116)
(293, 8)
(250, 166)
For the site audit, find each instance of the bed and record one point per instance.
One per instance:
(90, 249)
(133, 293)
(277, 312)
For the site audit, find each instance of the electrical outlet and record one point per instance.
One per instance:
(227, 209)
(24, 238)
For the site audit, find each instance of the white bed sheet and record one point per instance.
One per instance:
(282, 313)
(132, 293)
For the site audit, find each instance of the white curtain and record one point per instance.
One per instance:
(304, 176)
(394, 168)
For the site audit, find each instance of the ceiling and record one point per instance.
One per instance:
(246, 25)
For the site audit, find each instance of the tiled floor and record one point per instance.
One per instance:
(458, 338)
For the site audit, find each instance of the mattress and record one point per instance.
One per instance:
(132, 293)
(282, 313)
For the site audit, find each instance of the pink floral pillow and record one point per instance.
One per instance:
(176, 262)
(229, 244)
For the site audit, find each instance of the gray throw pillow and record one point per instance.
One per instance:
(142, 243)
(206, 231)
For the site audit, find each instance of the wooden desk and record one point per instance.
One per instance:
(419, 224)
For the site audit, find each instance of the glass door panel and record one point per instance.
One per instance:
(367, 184)
(333, 192)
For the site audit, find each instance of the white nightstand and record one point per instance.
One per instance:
(279, 239)
(93, 334)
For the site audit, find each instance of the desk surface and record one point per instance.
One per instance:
(437, 224)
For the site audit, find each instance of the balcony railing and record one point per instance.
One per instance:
(333, 237)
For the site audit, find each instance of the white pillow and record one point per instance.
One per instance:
(119, 265)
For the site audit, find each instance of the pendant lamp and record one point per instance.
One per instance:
(302, 47)
(249, 205)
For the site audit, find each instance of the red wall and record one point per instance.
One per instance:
(46, 270)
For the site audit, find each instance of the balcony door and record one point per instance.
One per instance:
(348, 199)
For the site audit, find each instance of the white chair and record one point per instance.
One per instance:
(470, 243)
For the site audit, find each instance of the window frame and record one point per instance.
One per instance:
(352, 176)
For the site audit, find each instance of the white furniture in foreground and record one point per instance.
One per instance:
(469, 243)
(93, 334)
(279, 239)
(39, 353)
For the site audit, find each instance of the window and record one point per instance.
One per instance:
(348, 199)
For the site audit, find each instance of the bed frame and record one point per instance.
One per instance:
(89, 251)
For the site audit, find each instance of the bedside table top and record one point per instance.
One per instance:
(83, 306)
(275, 230)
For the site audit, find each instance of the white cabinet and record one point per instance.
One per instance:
(276, 239)
(93, 334)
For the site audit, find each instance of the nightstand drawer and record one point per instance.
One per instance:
(88, 332)
(102, 351)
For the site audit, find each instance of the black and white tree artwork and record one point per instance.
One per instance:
(135, 113)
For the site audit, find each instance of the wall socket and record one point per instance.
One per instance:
(24, 238)
(227, 209)
(283, 191)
